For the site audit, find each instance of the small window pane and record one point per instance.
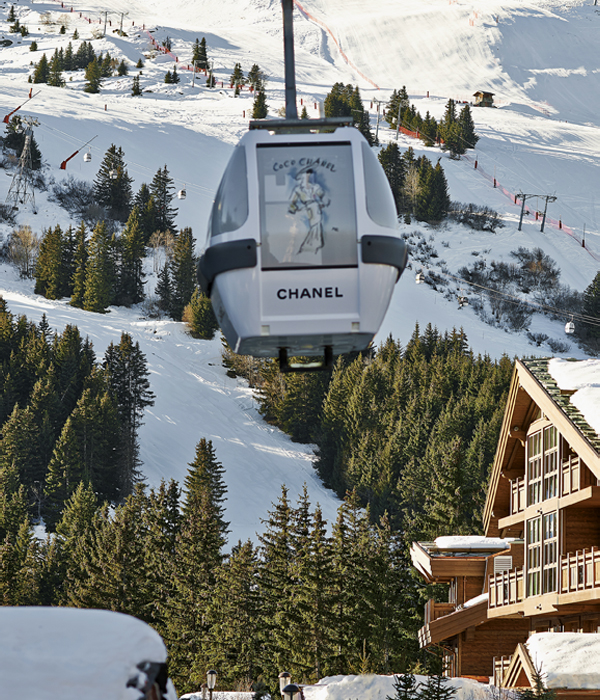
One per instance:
(380, 201)
(230, 209)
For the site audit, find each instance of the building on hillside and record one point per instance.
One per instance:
(483, 99)
(537, 569)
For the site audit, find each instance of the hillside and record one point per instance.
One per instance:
(537, 56)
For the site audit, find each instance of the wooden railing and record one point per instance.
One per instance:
(580, 571)
(434, 610)
(517, 496)
(501, 663)
(506, 588)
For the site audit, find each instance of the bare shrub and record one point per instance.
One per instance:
(76, 196)
(23, 248)
(475, 216)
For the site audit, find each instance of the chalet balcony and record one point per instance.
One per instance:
(580, 571)
(506, 588)
(573, 476)
(434, 610)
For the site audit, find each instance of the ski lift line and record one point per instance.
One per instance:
(583, 318)
(323, 26)
(6, 119)
(63, 165)
(190, 186)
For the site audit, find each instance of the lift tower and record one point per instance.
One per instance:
(21, 187)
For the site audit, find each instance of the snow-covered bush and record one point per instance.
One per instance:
(475, 216)
(76, 196)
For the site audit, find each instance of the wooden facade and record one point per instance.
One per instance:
(544, 493)
(483, 99)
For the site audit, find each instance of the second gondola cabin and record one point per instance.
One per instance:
(303, 250)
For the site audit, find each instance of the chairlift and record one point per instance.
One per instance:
(462, 301)
(87, 156)
(419, 278)
(570, 327)
(182, 194)
(302, 251)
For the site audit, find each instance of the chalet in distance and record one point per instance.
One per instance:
(537, 569)
(483, 99)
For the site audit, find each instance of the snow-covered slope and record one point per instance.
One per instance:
(537, 56)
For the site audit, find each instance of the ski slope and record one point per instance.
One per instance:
(539, 57)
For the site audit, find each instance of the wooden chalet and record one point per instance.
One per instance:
(483, 99)
(537, 569)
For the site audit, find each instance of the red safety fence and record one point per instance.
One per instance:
(318, 22)
(556, 224)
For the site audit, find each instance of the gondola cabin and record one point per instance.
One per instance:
(303, 250)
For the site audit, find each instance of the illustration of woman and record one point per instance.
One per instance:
(309, 197)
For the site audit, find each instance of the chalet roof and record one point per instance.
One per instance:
(483, 92)
(448, 557)
(580, 379)
(567, 660)
(534, 386)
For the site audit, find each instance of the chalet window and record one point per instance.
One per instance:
(550, 563)
(542, 465)
(550, 462)
(534, 545)
(534, 468)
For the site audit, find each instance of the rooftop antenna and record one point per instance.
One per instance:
(21, 187)
(291, 110)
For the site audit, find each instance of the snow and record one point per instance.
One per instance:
(220, 695)
(374, 687)
(476, 600)
(472, 542)
(46, 653)
(567, 659)
(582, 377)
(537, 56)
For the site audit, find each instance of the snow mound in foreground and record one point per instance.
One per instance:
(566, 660)
(374, 687)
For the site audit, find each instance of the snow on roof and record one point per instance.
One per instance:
(372, 687)
(566, 659)
(472, 542)
(71, 653)
(582, 377)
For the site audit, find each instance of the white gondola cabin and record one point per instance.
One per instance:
(87, 157)
(570, 327)
(303, 250)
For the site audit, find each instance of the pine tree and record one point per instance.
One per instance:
(136, 90)
(259, 107)
(405, 686)
(591, 305)
(11, 14)
(237, 78)
(199, 55)
(206, 474)
(49, 269)
(168, 77)
(42, 70)
(127, 377)
(183, 273)
(437, 687)
(80, 264)
(164, 288)
(55, 78)
(93, 77)
(162, 189)
(199, 316)
(112, 185)
(399, 103)
(234, 612)
(33, 46)
(75, 34)
(174, 76)
(197, 558)
(133, 251)
(304, 113)
(100, 271)
(257, 79)
(122, 69)
(467, 128)
(394, 169)
(439, 200)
